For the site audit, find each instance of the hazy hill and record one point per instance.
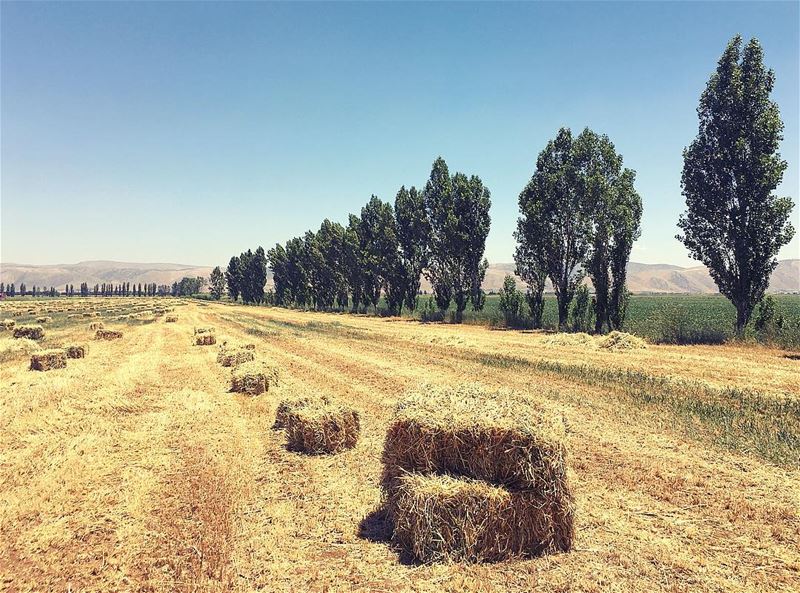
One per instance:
(641, 277)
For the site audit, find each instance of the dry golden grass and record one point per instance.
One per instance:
(136, 470)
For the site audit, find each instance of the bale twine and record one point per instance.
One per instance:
(32, 332)
(48, 359)
(76, 351)
(107, 334)
(319, 427)
(292, 404)
(493, 439)
(205, 340)
(95, 325)
(253, 377)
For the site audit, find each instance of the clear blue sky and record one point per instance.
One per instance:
(189, 132)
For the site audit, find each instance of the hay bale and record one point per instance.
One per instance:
(76, 351)
(205, 340)
(107, 334)
(292, 404)
(254, 377)
(7, 324)
(439, 518)
(495, 436)
(96, 325)
(318, 427)
(87, 314)
(44, 319)
(32, 332)
(233, 356)
(48, 359)
(576, 339)
(513, 457)
(621, 341)
(203, 330)
(171, 319)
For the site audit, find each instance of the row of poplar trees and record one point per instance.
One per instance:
(439, 231)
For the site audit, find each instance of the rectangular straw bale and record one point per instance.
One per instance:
(318, 427)
(107, 334)
(254, 377)
(440, 518)
(495, 436)
(171, 319)
(205, 339)
(96, 325)
(292, 404)
(76, 351)
(32, 332)
(232, 355)
(46, 360)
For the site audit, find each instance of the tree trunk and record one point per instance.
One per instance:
(563, 312)
(742, 317)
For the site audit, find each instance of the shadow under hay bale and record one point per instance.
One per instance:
(254, 377)
(32, 332)
(76, 351)
(233, 356)
(512, 458)
(107, 334)
(205, 340)
(292, 404)
(96, 325)
(47, 360)
(322, 428)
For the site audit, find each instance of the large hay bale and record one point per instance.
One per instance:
(292, 404)
(171, 319)
(621, 341)
(95, 325)
(205, 340)
(76, 351)
(440, 518)
(233, 356)
(48, 359)
(495, 436)
(318, 427)
(107, 334)
(32, 332)
(254, 377)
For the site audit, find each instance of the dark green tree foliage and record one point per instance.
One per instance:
(458, 214)
(253, 266)
(413, 234)
(607, 191)
(380, 263)
(324, 254)
(217, 282)
(351, 261)
(554, 222)
(278, 263)
(581, 310)
(734, 223)
(511, 302)
(531, 266)
(233, 277)
(297, 280)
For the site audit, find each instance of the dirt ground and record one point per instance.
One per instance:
(135, 469)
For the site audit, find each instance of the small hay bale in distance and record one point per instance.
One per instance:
(203, 330)
(171, 319)
(76, 351)
(205, 340)
(253, 377)
(95, 325)
(234, 356)
(292, 404)
(47, 360)
(32, 332)
(439, 518)
(621, 341)
(107, 334)
(319, 427)
(7, 324)
(497, 437)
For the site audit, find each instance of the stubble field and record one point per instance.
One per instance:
(135, 468)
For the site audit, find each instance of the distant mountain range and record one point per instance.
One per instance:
(642, 278)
